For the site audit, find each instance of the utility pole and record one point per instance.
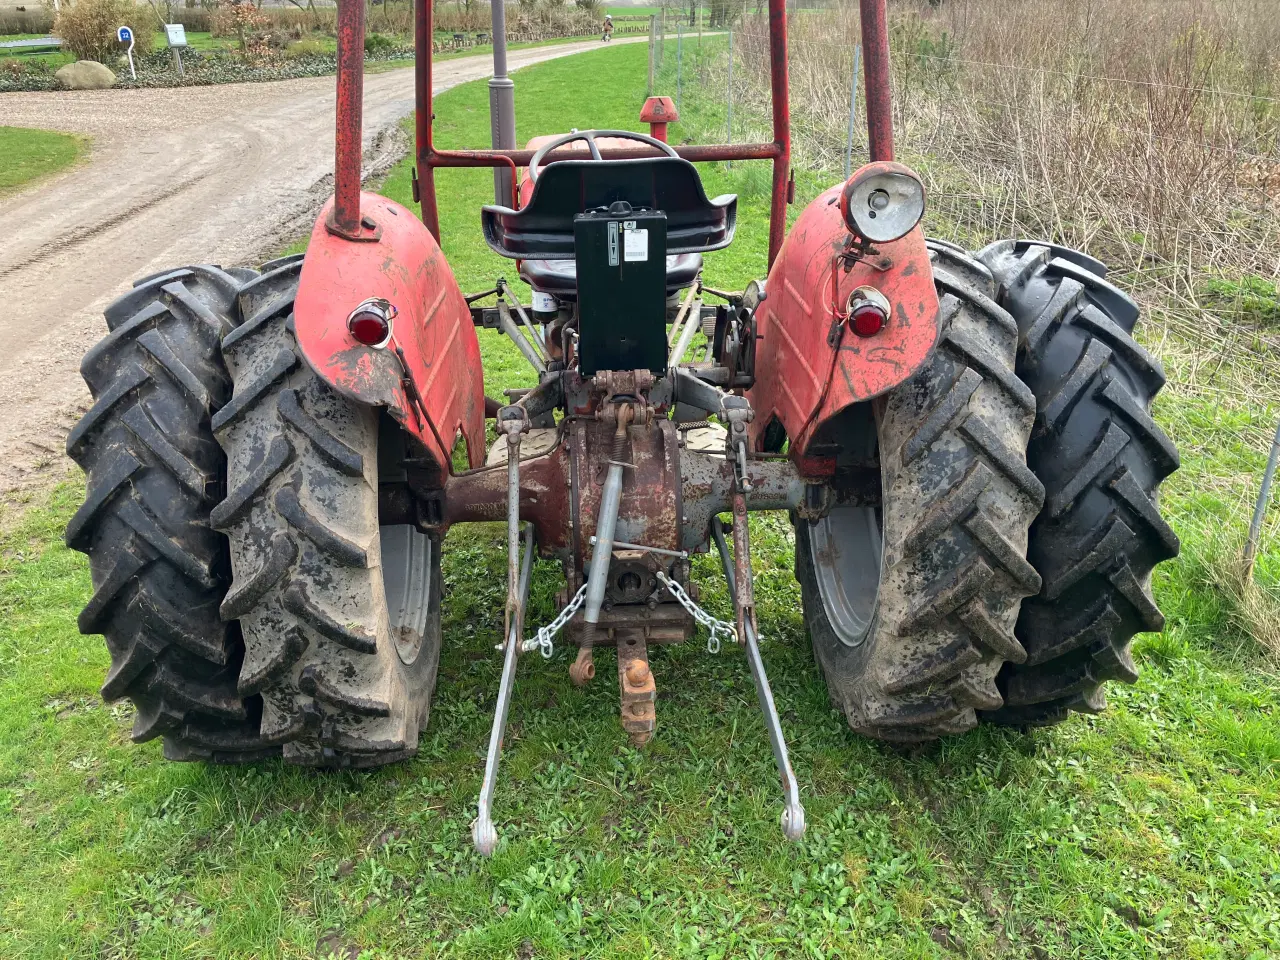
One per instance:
(502, 103)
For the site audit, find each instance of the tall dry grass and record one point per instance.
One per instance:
(1144, 131)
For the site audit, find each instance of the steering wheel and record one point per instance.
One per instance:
(535, 162)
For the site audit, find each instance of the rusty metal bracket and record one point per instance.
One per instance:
(366, 231)
(636, 686)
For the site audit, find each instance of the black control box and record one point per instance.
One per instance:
(622, 289)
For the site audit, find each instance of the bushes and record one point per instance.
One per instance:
(378, 43)
(220, 22)
(34, 20)
(89, 28)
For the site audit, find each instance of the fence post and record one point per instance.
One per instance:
(1260, 508)
(652, 29)
(728, 124)
(662, 33)
(853, 111)
(679, 62)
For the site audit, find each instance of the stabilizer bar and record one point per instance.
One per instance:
(793, 813)
(483, 833)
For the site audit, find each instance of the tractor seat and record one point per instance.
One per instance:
(543, 229)
(560, 277)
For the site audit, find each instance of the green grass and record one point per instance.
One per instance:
(27, 155)
(1151, 831)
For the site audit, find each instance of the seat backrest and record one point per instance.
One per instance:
(543, 228)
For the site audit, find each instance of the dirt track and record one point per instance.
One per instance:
(221, 174)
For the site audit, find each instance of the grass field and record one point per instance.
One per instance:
(1151, 831)
(27, 155)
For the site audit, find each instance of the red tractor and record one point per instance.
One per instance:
(964, 444)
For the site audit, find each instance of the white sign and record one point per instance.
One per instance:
(125, 35)
(635, 243)
(176, 34)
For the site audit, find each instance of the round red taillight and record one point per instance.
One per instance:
(370, 323)
(867, 319)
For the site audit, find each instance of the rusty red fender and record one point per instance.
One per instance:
(432, 329)
(800, 378)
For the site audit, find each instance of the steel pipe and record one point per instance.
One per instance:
(875, 43)
(606, 524)
(1260, 508)
(426, 180)
(483, 833)
(692, 325)
(345, 218)
(792, 819)
(695, 153)
(781, 124)
(502, 105)
(516, 336)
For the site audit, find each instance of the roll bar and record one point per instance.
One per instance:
(346, 219)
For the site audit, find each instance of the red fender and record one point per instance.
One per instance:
(433, 328)
(800, 378)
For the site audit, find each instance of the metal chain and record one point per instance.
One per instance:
(542, 639)
(716, 628)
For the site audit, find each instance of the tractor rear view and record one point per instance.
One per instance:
(963, 442)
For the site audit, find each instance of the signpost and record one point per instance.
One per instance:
(125, 35)
(176, 34)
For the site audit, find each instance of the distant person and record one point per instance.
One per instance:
(608, 29)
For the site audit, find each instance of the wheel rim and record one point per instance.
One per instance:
(847, 547)
(408, 564)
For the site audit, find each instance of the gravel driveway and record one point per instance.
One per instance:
(221, 174)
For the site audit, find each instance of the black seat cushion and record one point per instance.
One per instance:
(543, 228)
(560, 277)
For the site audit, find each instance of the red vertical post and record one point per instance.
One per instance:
(781, 124)
(423, 33)
(875, 52)
(345, 219)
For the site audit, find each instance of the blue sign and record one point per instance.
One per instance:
(124, 35)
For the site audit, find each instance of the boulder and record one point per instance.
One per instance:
(85, 75)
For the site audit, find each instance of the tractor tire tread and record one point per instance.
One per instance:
(302, 518)
(958, 502)
(1102, 458)
(153, 472)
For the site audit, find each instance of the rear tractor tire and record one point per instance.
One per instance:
(1101, 458)
(340, 616)
(153, 474)
(911, 604)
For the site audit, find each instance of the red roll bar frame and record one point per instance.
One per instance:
(346, 219)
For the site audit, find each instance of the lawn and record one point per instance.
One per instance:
(1150, 831)
(27, 155)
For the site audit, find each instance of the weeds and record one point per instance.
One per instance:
(1147, 133)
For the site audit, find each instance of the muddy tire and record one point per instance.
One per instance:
(911, 605)
(341, 618)
(1101, 458)
(154, 472)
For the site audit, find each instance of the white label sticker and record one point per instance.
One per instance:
(544, 302)
(635, 245)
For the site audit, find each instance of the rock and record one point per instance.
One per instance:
(85, 75)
